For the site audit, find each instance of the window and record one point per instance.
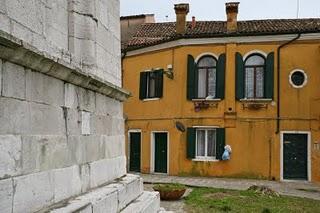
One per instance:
(206, 143)
(151, 84)
(254, 76)
(298, 78)
(207, 77)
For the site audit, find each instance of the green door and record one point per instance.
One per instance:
(295, 156)
(160, 159)
(135, 145)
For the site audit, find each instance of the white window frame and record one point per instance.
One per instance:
(206, 145)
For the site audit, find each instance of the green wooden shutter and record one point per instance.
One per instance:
(240, 82)
(143, 85)
(159, 83)
(221, 68)
(191, 79)
(220, 142)
(269, 76)
(191, 143)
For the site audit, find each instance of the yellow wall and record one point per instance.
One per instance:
(251, 133)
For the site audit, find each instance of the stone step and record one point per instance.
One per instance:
(147, 202)
(108, 198)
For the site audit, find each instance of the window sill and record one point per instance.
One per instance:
(205, 160)
(256, 104)
(263, 100)
(151, 99)
(206, 100)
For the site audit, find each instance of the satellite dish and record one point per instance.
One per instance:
(180, 126)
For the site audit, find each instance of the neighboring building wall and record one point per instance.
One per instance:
(251, 133)
(129, 25)
(60, 133)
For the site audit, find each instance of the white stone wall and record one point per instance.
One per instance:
(45, 156)
(84, 32)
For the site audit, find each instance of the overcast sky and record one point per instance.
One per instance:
(215, 9)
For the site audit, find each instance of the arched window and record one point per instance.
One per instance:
(207, 77)
(255, 66)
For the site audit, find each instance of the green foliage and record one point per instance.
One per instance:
(224, 200)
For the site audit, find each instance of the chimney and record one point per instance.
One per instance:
(193, 23)
(232, 13)
(181, 11)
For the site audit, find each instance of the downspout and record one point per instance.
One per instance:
(123, 55)
(278, 78)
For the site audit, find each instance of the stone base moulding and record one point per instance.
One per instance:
(22, 53)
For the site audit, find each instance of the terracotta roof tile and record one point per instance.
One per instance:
(155, 33)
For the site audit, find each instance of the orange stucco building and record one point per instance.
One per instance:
(198, 86)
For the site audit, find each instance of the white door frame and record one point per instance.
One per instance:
(152, 160)
(308, 133)
(129, 145)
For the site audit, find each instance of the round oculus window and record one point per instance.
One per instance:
(298, 78)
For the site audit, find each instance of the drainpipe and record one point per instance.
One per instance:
(278, 78)
(123, 55)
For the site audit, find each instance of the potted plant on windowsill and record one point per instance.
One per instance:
(170, 191)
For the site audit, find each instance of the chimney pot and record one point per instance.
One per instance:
(193, 24)
(181, 12)
(232, 15)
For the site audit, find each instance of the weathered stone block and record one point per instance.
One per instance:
(29, 13)
(44, 153)
(13, 73)
(85, 123)
(84, 149)
(84, 25)
(56, 28)
(73, 121)
(3, 8)
(109, 202)
(85, 177)
(108, 106)
(87, 99)
(70, 96)
(6, 195)
(100, 124)
(106, 170)
(4, 23)
(67, 183)
(10, 155)
(93, 147)
(33, 192)
(113, 146)
(44, 89)
(46, 120)
(117, 126)
(129, 190)
(17, 122)
(83, 7)
(0, 73)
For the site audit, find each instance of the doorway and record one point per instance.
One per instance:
(135, 151)
(295, 156)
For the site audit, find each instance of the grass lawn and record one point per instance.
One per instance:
(223, 200)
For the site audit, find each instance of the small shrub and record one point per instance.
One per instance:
(266, 210)
(225, 209)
